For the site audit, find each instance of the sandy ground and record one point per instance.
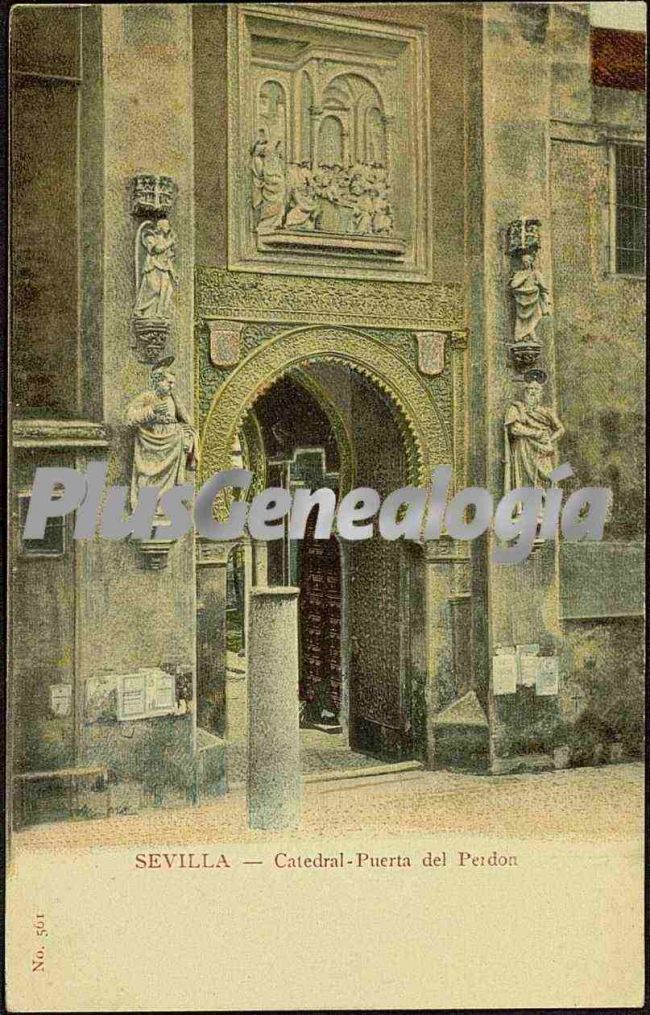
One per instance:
(588, 804)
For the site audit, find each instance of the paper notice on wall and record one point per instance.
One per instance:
(504, 673)
(547, 676)
(60, 699)
(528, 665)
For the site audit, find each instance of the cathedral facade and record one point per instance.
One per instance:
(338, 247)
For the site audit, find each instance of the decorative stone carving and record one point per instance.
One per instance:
(326, 125)
(155, 272)
(431, 352)
(260, 296)
(225, 342)
(150, 339)
(531, 297)
(165, 442)
(525, 354)
(532, 432)
(152, 195)
(524, 236)
(333, 200)
(322, 169)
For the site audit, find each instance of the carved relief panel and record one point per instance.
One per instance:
(328, 131)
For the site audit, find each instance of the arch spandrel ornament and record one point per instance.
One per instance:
(430, 442)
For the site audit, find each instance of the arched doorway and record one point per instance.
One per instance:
(333, 407)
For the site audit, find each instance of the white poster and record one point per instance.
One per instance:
(504, 674)
(547, 675)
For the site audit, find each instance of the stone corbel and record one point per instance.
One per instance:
(155, 553)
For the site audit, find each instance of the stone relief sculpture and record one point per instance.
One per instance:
(352, 200)
(532, 432)
(334, 121)
(165, 442)
(322, 167)
(269, 184)
(155, 273)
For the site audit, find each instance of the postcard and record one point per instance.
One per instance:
(326, 498)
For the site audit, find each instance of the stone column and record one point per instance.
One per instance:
(249, 579)
(260, 562)
(274, 780)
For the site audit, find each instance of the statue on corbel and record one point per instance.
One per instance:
(156, 280)
(165, 445)
(529, 291)
(532, 432)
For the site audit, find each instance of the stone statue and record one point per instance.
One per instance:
(157, 278)
(165, 440)
(531, 298)
(269, 183)
(532, 433)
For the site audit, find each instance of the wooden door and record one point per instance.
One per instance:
(320, 629)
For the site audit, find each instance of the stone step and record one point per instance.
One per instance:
(340, 774)
(364, 772)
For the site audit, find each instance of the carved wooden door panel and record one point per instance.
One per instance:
(379, 712)
(320, 629)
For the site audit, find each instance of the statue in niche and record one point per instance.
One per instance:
(156, 276)
(532, 433)
(165, 440)
(532, 301)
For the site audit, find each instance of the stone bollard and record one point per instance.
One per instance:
(274, 777)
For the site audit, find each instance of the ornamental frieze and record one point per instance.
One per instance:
(258, 296)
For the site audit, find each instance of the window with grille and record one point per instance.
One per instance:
(628, 220)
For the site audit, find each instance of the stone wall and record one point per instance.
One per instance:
(127, 615)
(600, 331)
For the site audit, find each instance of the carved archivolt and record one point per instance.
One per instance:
(298, 347)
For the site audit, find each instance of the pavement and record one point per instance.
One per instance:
(580, 804)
